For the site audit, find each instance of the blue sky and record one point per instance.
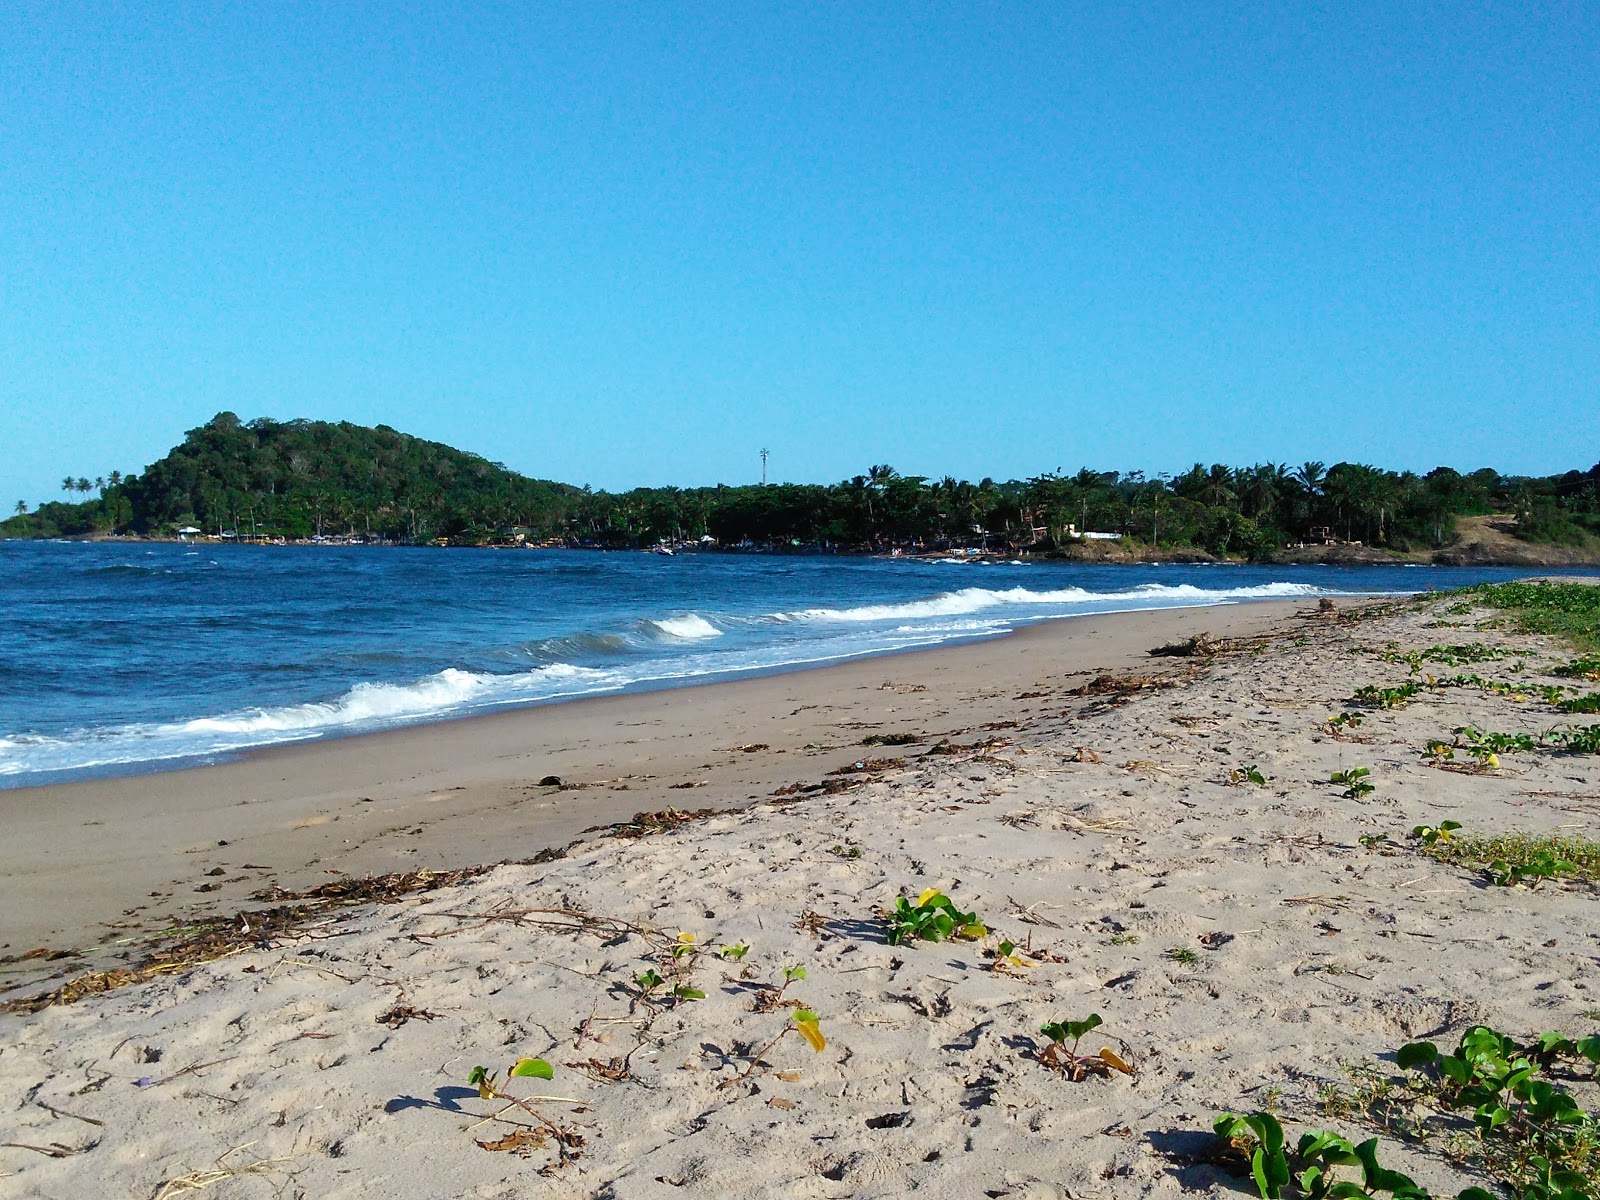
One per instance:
(636, 246)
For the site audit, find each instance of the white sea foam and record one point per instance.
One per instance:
(690, 627)
(364, 706)
(971, 600)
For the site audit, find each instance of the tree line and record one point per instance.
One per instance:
(303, 479)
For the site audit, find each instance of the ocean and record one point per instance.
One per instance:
(118, 658)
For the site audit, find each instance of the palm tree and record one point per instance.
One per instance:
(22, 507)
(83, 485)
(1311, 476)
(1217, 490)
(100, 483)
(69, 484)
(115, 478)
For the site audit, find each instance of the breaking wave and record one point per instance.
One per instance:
(971, 600)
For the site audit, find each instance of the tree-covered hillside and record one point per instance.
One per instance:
(303, 478)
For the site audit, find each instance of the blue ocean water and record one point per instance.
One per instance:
(117, 658)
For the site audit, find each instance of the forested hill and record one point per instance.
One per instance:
(301, 479)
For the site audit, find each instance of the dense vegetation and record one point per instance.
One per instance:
(305, 478)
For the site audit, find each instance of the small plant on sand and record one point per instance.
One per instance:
(1009, 960)
(769, 998)
(1336, 725)
(1395, 697)
(802, 1021)
(1249, 773)
(1587, 667)
(523, 1138)
(842, 851)
(1581, 704)
(653, 987)
(1585, 740)
(1354, 782)
(1432, 835)
(1530, 871)
(1183, 955)
(733, 953)
(1059, 1056)
(933, 918)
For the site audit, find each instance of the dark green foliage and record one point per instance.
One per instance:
(1450, 656)
(1354, 781)
(298, 478)
(1582, 740)
(1378, 697)
(1581, 704)
(1533, 1132)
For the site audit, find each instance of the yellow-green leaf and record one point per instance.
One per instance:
(812, 1032)
(930, 894)
(533, 1068)
(1113, 1060)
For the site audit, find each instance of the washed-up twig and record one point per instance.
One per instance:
(58, 1112)
(53, 1150)
(1333, 902)
(192, 1069)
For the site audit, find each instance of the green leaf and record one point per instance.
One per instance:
(1076, 1029)
(688, 993)
(1376, 1176)
(533, 1068)
(1415, 1054)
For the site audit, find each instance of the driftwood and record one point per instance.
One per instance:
(1199, 646)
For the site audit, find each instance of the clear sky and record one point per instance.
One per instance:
(629, 244)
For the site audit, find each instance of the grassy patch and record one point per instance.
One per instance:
(1570, 610)
(1520, 851)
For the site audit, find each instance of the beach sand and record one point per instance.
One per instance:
(1105, 832)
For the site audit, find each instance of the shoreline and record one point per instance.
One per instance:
(1465, 553)
(112, 858)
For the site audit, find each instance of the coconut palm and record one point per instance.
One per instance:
(22, 507)
(1311, 476)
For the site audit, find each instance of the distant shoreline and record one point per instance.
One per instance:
(1505, 552)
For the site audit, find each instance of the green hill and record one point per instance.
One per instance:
(302, 478)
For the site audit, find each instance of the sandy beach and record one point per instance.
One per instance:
(1089, 803)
